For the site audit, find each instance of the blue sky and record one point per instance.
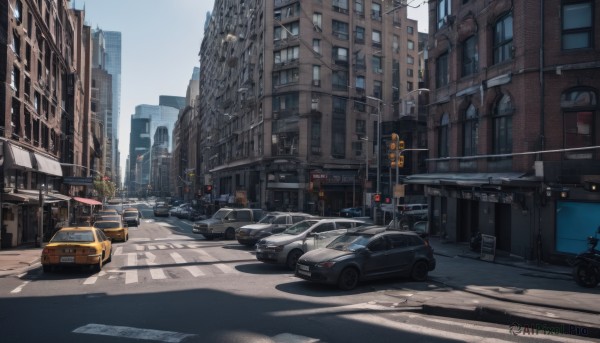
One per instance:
(160, 45)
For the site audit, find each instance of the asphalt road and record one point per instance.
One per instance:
(168, 285)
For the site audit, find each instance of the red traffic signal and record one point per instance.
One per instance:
(207, 189)
(377, 197)
(388, 200)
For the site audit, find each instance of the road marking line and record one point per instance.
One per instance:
(162, 247)
(156, 273)
(194, 270)
(290, 337)
(140, 247)
(20, 288)
(221, 266)
(90, 280)
(131, 275)
(178, 246)
(129, 332)
(119, 251)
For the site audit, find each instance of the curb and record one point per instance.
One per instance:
(518, 323)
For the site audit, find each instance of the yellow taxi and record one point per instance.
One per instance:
(76, 246)
(114, 229)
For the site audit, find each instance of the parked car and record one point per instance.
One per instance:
(369, 254)
(178, 211)
(271, 223)
(116, 230)
(225, 221)
(351, 212)
(131, 216)
(285, 248)
(161, 209)
(75, 246)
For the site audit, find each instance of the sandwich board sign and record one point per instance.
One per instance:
(488, 247)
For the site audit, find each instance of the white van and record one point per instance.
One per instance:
(417, 210)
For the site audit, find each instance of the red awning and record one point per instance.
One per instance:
(87, 201)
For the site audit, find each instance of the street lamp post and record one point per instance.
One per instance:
(380, 102)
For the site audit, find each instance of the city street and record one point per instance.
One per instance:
(167, 285)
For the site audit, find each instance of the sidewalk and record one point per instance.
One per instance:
(510, 290)
(18, 260)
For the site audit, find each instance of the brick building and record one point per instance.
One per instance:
(513, 123)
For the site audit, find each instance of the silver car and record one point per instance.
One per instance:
(272, 223)
(287, 247)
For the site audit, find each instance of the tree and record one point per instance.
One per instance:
(104, 187)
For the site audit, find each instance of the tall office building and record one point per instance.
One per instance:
(107, 57)
(291, 95)
(144, 123)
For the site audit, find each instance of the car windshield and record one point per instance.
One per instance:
(107, 225)
(221, 214)
(268, 219)
(111, 218)
(350, 242)
(130, 214)
(73, 236)
(299, 227)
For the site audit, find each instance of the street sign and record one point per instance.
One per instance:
(399, 191)
(488, 247)
(78, 181)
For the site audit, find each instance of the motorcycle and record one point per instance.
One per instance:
(586, 269)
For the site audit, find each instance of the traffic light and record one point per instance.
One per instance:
(395, 151)
(207, 189)
(388, 200)
(377, 197)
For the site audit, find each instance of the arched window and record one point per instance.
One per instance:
(502, 126)
(579, 108)
(444, 136)
(470, 127)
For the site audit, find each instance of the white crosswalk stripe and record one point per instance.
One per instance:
(156, 273)
(131, 275)
(194, 270)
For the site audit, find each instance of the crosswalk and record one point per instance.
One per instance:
(159, 259)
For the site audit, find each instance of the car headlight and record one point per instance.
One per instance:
(275, 247)
(326, 265)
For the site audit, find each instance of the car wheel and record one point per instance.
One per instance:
(348, 279)
(98, 266)
(47, 268)
(419, 271)
(126, 237)
(109, 256)
(230, 233)
(293, 258)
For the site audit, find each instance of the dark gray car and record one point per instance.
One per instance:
(271, 223)
(368, 254)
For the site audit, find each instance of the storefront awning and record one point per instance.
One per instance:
(472, 179)
(17, 157)
(87, 201)
(12, 197)
(49, 197)
(47, 165)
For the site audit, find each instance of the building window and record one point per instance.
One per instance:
(378, 89)
(285, 77)
(286, 55)
(18, 11)
(361, 127)
(376, 38)
(360, 83)
(376, 11)
(317, 22)
(359, 34)
(340, 29)
(410, 59)
(411, 45)
(359, 7)
(470, 56)
(410, 30)
(409, 72)
(470, 127)
(340, 55)
(409, 86)
(359, 60)
(340, 6)
(577, 25)
(503, 39)
(338, 137)
(441, 70)
(377, 64)
(281, 33)
(443, 136)
(396, 43)
(579, 110)
(315, 136)
(339, 80)
(316, 75)
(443, 11)
(502, 126)
(317, 45)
